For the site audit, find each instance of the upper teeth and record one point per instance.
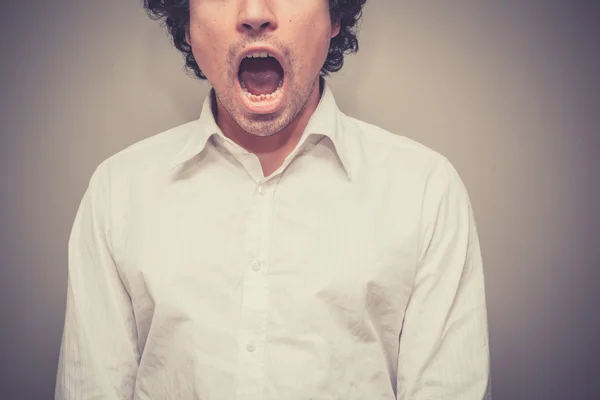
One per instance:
(258, 54)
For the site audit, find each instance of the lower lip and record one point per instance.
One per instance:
(266, 106)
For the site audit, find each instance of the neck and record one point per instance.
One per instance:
(277, 146)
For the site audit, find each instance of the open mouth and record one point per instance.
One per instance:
(261, 78)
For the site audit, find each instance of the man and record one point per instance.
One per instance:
(275, 248)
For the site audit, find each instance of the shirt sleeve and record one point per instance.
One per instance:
(98, 355)
(444, 348)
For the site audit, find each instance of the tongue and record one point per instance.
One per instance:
(260, 75)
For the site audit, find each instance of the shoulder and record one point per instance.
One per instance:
(392, 151)
(407, 165)
(139, 169)
(153, 153)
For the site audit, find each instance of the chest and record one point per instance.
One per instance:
(334, 250)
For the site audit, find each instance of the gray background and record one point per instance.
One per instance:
(507, 90)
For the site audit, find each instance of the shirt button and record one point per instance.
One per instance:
(251, 346)
(262, 190)
(256, 265)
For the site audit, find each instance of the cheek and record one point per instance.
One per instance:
(321, 39)
(321, 50)
(312, 47)
(208, 52)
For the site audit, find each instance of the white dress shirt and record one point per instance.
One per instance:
(352, 272)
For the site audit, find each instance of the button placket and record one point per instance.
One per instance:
(255, 300)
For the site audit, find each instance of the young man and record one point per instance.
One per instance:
(274, 248)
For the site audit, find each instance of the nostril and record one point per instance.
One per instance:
(256, 26)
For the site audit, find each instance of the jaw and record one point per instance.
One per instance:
(288, 112)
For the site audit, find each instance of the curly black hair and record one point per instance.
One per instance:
(175, 15)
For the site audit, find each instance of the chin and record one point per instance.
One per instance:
(263, 125)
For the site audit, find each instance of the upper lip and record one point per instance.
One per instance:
(252, 49)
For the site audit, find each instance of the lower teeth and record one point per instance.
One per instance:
(261, 96)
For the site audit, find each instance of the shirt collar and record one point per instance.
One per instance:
(325, 121)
